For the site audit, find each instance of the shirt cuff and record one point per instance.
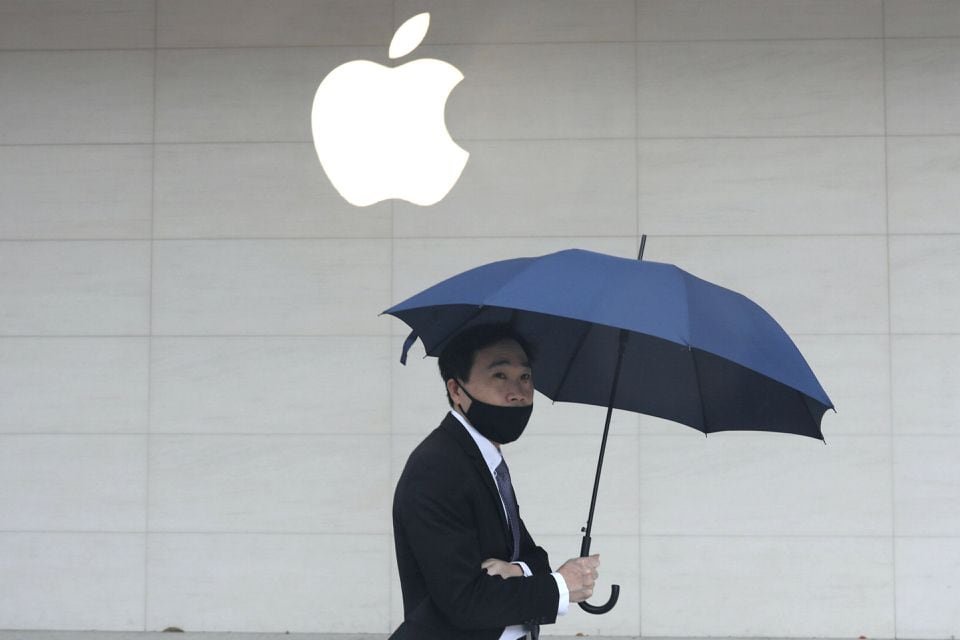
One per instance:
(564, 602)
(526, 570)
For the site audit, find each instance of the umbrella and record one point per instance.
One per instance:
(635, 335)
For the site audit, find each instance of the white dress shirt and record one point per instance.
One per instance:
(492, 456)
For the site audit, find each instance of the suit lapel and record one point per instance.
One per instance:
(452, 426)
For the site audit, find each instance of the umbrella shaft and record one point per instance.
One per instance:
(603, 443)
(596, 481)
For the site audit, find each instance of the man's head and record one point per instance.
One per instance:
(493, 362)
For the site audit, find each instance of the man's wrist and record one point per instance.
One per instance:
(564, 601)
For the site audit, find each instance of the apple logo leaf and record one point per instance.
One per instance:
(409, 36)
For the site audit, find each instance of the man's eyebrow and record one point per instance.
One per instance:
(502, 361)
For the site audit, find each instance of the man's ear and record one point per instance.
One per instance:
(453, 388)
(461, 401)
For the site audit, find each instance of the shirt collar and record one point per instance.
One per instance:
(491, 455)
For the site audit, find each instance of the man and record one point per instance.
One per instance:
(469, 568)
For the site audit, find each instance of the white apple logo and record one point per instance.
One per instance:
(380, 131)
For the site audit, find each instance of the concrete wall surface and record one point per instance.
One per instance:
(202, 416)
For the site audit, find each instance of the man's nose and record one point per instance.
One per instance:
(517, 393)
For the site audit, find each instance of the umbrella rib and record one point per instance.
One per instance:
(806, 404)
(576, 352)
(460, 326)
(693, 358)
(696, 374)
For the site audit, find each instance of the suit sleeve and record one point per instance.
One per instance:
(437, 516)
(535, 557)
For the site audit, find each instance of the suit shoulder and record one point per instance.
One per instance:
(438, 452)
(438, 468)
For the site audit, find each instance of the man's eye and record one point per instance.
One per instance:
(525, 377)
(500, 375)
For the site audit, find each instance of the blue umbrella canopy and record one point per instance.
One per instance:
(635, 335)
(693, 352)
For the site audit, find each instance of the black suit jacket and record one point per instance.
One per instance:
(447, 519)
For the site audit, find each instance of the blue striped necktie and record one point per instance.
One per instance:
(505, 487)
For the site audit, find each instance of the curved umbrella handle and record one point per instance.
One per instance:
(603, 608)
(614, 589)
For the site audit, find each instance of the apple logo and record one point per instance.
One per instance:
(380, 132)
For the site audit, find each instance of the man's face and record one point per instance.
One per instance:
(500, 376)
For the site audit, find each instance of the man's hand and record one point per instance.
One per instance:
(580, 574)
(501, 568)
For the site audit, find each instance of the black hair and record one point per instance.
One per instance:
(457, 357)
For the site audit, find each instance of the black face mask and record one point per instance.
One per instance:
(497, 424)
